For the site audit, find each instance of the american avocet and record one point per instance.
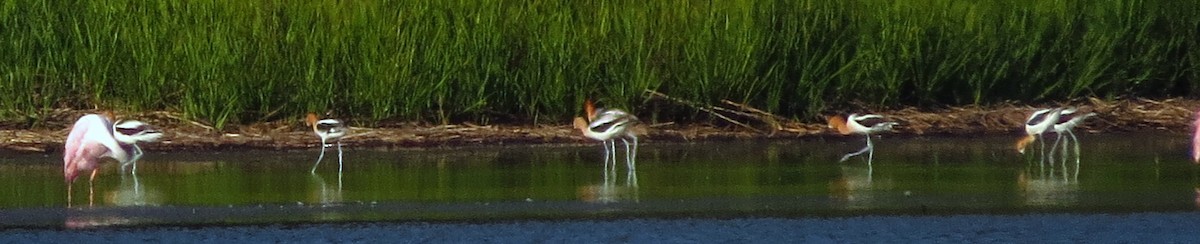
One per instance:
(130, 133)
(93, 138)
(607, 125)
(327, 130)
(1039, 122)
(1067, 120)
(866, 125)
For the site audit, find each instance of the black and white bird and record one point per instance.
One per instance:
(328, 130)
(866, 125)
(607, 125)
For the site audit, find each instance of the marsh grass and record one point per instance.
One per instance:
(232, 62)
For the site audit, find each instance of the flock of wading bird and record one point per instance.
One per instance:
(95, 137)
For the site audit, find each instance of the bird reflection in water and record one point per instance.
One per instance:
(1051, 185)
(86, 219)
(324, 193)
(855, 187)
(610, 191)
(131, 192)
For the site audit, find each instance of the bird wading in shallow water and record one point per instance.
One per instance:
(1067, 120)
(130, 133)
(608, 125)
(1038, 123)
(866, 125)
(93, 138)
(328, 130)
(1196, 146)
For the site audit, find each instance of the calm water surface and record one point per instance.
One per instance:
(1115, 173)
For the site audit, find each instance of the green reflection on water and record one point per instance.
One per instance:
(1149, 173)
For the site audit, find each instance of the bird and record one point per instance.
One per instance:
(866, 125)
(1038, 123)
(93, 137)
(1067, 120)
(132, 132)
(607, 125)
(327, 130)
(1196, 145)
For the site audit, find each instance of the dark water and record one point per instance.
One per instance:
(1115, 173)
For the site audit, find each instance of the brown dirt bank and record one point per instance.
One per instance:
(1121, 115)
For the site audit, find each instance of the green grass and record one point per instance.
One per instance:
(231, 62)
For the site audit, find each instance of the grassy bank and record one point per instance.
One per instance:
(228, 62)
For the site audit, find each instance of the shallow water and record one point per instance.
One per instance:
(944, 175)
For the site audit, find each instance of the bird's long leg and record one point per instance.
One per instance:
(623, 140)
(314, 168)
(848, 155)
(137, 187)
(1042, 153)
(92, 187)
(605, 156)
(605, 160)
(631, 178)
(137, 155)
(844, 158)
(69, 186)
(633, 156)
(339, 143)
(870, 151)
(1063, 153)
(1054, 148)
(1076, 139)
(612, 149)
(629, 153)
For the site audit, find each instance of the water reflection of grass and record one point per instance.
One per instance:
(242, 61)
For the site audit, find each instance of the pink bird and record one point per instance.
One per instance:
(1196, 139)
(93, 138)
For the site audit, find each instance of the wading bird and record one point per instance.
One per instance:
(863, 125)
(131, 132)
(1067, 120)
(1196, 146)
(93, 138)
(327, 130)
(608, 125)
(1037, 124)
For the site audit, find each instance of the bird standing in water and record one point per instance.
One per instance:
(607, 125)
(1067, 120)
(94, 137)
(863, 125)
(1038, 123)
(1196, 145)
(327, 130)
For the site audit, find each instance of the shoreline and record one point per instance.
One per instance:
(1115, 116)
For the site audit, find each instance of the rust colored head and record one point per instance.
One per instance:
(1024, 142)
(109, 115)
(580, 123)
(311, 119)
(838, 123)
(589, 108)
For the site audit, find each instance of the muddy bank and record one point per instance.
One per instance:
(182, 134)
